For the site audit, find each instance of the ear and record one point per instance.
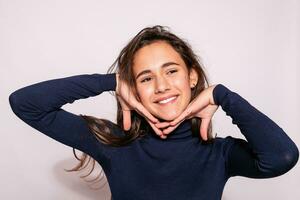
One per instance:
(193, 77)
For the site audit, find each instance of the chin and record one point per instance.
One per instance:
(162, 118)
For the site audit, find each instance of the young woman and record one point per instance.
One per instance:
(162, 145)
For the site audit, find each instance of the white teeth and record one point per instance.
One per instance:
(167, 100)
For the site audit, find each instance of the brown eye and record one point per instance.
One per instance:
(172, 71)
(145, 80)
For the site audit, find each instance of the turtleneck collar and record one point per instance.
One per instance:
(184, 130)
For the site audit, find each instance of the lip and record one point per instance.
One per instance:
(163, 98)
(166, 97)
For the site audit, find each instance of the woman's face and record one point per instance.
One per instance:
(162, 80)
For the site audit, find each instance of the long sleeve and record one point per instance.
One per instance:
(268, 151)
(39, 105)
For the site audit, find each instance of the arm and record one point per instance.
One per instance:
(39, 105)
(268, 151)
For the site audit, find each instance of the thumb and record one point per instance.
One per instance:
(204, 127)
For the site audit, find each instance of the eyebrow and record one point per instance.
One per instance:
(162, 66)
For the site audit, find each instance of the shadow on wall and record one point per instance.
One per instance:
(99, 190)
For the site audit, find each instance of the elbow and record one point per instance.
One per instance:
(18, 104)
(292, 157)
(13, 102)
(24, 108)
(286, 161)
(19, 109)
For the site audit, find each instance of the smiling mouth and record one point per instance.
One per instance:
(168, 101)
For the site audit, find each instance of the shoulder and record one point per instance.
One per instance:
(225, 144)
(225, 141)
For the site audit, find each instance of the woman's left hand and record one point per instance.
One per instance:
(203, 106)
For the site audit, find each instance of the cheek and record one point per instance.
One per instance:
(184, 86)
(145, 94)
(182, 83)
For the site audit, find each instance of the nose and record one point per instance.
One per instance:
(161, 85)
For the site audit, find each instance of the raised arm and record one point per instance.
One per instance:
(39, 105)
(268, 151)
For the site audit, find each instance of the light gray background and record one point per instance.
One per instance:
(250, 46)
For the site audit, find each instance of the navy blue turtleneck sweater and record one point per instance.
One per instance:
(179, 167)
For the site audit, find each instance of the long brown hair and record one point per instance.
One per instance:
(123, 66)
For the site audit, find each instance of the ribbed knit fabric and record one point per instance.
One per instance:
(177, 168)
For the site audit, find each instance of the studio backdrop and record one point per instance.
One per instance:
(251, 46)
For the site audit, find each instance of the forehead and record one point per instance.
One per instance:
(155, 54)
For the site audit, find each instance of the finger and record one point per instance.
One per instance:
(163, 136)
(156, 130)
(181, 117)
(170, 129)
(162, 124)
(186, 114)
(203, 128)
(126, 114)
(146, 113)
(126, 119)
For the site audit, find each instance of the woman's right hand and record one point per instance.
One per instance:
(129, 102)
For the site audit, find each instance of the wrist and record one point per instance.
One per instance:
(211, 99)
(219, 93)
(117, 82)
